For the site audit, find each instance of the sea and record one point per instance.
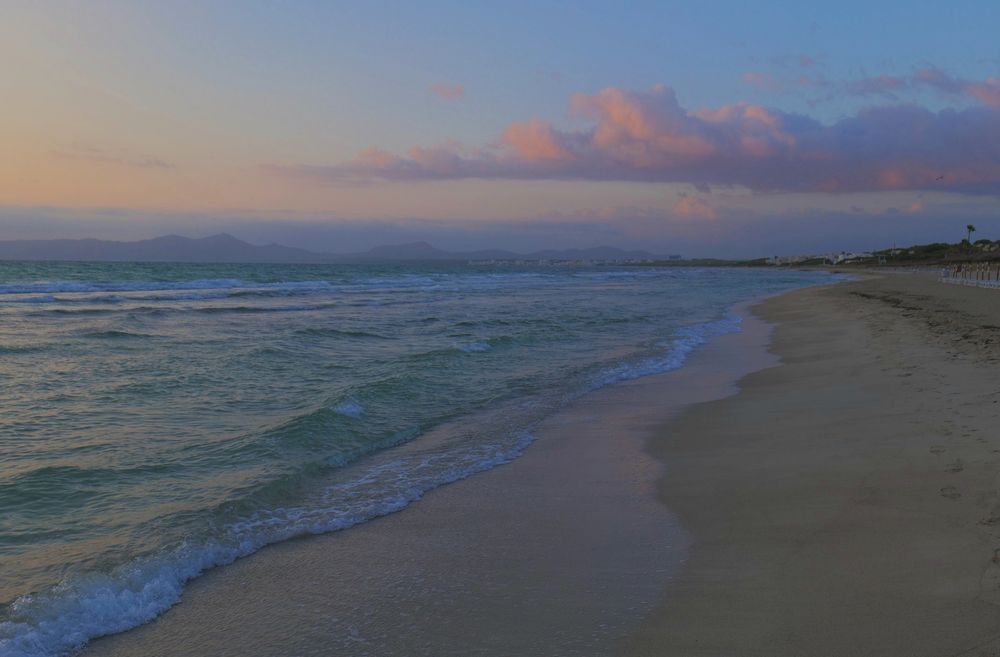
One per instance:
(160, 420)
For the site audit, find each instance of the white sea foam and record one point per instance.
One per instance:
(685, 340)
(350, 408)
(474, 347)
(63, 619)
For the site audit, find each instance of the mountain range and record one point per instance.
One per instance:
(226, 248)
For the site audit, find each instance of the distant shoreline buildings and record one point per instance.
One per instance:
(843, 257)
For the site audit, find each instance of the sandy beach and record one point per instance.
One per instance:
(844, 502)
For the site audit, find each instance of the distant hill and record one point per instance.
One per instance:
(170, 248)
(226, 248)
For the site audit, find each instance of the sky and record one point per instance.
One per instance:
(731, 129)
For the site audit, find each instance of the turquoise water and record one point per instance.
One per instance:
(162, 419)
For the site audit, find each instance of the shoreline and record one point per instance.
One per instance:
(559, 552)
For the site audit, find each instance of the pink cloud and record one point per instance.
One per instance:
(649, 136)
(448, 91)
(937, 78)
(641, 131)
(692, 207)
(987, 92)
(535, 141)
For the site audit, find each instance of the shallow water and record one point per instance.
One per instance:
(164, 419)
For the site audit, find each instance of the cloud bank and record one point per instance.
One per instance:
(986, 92)
(649, 136)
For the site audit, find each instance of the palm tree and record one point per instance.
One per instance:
(971, 229)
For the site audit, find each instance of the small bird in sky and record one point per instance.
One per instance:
(941, 177)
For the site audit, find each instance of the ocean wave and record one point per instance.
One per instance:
(474, 347)
(41, 287)
(64, 618)
(40, 486)
(350, 408)
(239, 287)
(21, 348)
(75, 311)
(320, 331)
(262, 309)
(404, 284)
(82, 311)
(134, 297)
(685, 340)
(70, 295)
(48, 298)
(116, 335)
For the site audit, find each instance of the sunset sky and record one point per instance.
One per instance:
(706, 128)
